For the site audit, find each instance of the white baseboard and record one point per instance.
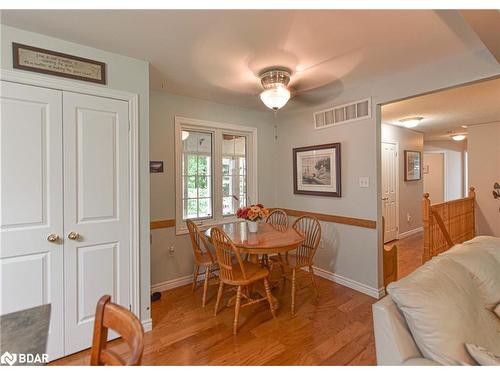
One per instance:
(342, 280)
(171, 284)
(410, 232)
(147, 325)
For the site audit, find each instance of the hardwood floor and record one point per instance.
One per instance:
(336, 329)
(409, 253)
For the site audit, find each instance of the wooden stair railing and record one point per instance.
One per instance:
(447, 224)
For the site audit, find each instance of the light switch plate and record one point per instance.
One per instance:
(364, 182)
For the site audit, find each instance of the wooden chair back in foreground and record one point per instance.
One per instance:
(202, 258)
(112, 316)
(234, 271)
(278, 217)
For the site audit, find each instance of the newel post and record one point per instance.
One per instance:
(472, 194)
(426, 222)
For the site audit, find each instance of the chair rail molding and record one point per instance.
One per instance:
(346, 220)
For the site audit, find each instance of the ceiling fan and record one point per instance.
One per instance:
(276, 93)
(275, 79)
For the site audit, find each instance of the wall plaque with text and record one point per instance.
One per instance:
(59, 64)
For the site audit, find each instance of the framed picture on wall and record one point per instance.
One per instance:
(316, 170)
(413, 165)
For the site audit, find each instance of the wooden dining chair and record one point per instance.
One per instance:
(202, 258)
(278, 218)
(310, 227)
(238, 273)
(112, 316)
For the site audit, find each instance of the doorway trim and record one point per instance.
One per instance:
(396, 143)
(133, 108)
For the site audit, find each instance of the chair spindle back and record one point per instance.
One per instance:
(311, 229)
(197, 238)
(278, 217)
(226, 252)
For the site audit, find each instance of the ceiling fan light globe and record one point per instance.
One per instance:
(275, 98)
(411, 122)
(458, 137)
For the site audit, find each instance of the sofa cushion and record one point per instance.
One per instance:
(482, 356)
(490, 244)
(484, 268)
(497, 310)
(444, 310)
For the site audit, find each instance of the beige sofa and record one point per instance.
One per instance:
(429, 315)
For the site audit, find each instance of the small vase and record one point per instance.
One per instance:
(252, 226)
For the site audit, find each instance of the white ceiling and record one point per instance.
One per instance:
(446, 111)
(217, 54)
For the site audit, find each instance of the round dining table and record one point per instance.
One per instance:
(269, 238)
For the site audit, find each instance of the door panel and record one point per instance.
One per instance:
(31, 267)
(96, 170)
(96, 276)
(96, 198)
(389, 190)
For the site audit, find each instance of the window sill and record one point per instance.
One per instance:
(182, 228)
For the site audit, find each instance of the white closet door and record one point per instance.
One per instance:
(31, 266)
(96, 210)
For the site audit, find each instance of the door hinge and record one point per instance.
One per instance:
(129, 125)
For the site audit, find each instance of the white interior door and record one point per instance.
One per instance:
(389, 190)
(434, 176)
(96, 210)
(31, 266)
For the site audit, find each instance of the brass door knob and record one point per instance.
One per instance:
(52, 237)
(73, 235)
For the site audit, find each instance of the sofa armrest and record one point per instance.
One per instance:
(394, 343)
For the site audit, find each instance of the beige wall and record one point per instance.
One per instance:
(410, 192)
(352, 253)
(434, 179)
(123, 73)
(484, 171)
(166, 266)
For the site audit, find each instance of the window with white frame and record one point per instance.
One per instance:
(215, 171)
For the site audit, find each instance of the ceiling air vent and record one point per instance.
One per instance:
(342, 114)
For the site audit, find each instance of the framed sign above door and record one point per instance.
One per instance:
(59, 64)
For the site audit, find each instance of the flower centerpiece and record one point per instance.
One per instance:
(253, 214)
